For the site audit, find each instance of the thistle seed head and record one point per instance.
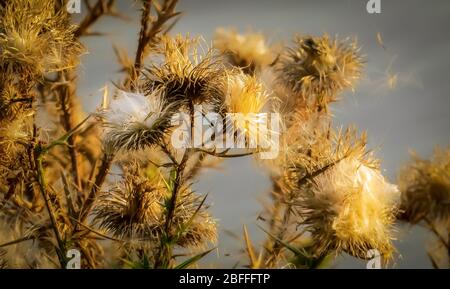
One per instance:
(316, 69)
(132, 209)
(351, 208)
(135, 121)
(188, 72)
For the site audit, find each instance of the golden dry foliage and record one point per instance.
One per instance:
(36, 37)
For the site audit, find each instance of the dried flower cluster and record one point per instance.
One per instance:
(327, 185)
(56, 189)
(37, 38)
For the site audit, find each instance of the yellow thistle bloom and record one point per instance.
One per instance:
(245, 94)
(351, 207)
(245, 99)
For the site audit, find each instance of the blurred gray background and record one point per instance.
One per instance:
(412, 115)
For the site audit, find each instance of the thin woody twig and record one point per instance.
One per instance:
(102, 7)
(149, 31)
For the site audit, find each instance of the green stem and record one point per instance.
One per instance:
(42, 186)
(164, 255)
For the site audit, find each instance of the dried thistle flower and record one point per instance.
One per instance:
(350, 207)
(248, 51)
(135, 121)
(132, 209)
(425, 187)
(135, 209)
(36, 37)
(318, 68)
(187, 73)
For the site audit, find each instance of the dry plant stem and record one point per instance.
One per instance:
(196, 167)
(42, 185)
(20, 240)
(225, 155)
(143, 41)
(176, 188)
(67, 92)
(445, 243)
(99, 180)
(99, 9)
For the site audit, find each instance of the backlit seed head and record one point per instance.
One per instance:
(134, 121)
(351, 208)
(246, 99)
(316, 69)
(132, 209)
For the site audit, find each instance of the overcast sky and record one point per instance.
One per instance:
(413, 115)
